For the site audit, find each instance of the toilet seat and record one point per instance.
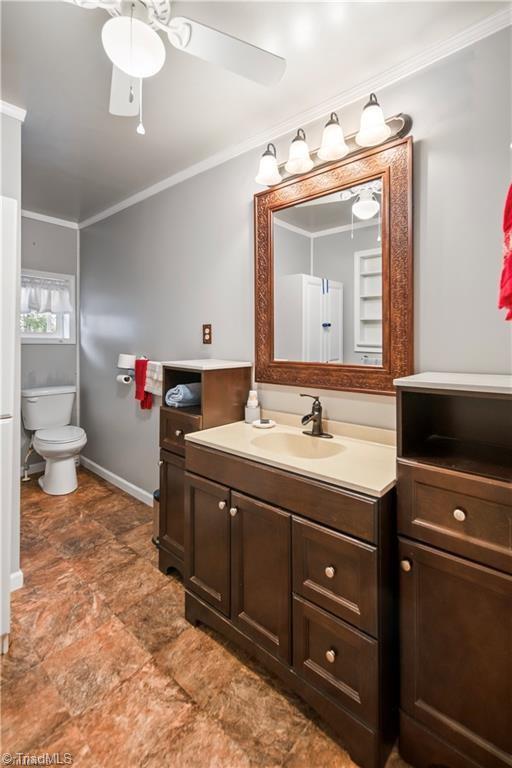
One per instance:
(53, 435)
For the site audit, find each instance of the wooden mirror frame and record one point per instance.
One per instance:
(393, 163)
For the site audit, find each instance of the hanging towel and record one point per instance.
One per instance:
(184, 395)
(146, 398)
(154, 378)
(505, 298)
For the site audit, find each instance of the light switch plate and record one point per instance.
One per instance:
(207, 333)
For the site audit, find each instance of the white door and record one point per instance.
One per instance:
(312, 327)
(8, 290)
(8, 248)
(333, 322)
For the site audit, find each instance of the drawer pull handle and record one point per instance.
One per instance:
(160, 463)
(233, 511)
(222, 505)
(330, 571)
(406, 565)
(459, 514)
(178, 432)
(330, 655)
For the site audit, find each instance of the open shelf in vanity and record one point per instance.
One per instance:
(464, 431)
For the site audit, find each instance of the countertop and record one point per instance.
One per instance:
(206, 364)
(359, 465)
(459, 382)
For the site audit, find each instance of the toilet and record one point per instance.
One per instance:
(46, 411)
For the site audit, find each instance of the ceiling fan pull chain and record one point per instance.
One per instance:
(140, 128)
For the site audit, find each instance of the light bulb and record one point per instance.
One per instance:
(299, 159)
(268, 172)
(365, 207)
(333, 141)
(133, 46)
(373, 129)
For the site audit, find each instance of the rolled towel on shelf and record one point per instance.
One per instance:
(184, 395)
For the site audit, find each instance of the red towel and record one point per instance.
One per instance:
(146, 398)
(505, 298)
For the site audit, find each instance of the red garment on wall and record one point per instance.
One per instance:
(505, 298)
(146, 398)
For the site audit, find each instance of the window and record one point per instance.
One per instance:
(47, 308)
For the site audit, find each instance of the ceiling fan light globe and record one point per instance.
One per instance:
(333, 143)
(365, 207)
(133, 46)
(268, 172)
(373, 129)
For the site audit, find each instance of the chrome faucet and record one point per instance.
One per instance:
(316, 417)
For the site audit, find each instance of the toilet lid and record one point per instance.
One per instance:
(66, 434)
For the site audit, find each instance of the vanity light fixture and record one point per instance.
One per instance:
(268, 172)
(373, 128)
(333, 146)
(299, 159)
(366, 206)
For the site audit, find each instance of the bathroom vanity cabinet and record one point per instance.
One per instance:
(300, 574)
(224, 387)
(455, 521)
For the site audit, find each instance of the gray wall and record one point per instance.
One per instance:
(153, 273)
(292, 252)
(10, 186)
(51, 248)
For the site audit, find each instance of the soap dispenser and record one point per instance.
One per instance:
(252, 409)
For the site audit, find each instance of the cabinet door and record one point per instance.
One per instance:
(456, 651)
(172, 503)
(207, 541)
(261, 573)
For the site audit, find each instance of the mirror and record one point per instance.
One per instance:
(328, 278)
(333, 274)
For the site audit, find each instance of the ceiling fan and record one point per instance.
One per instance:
(132, 42)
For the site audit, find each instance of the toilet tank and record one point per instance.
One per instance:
(44, 407)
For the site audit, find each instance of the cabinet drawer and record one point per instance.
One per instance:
(174, 425)
(467, 516)
(336, 572)
(336, 659)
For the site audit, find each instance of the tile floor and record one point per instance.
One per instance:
(103, 665)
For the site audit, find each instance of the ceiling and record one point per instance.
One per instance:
(78, 159)
(324, 212)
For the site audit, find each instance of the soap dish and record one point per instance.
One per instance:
(258, 425)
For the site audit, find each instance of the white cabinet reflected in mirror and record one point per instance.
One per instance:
(327, 257)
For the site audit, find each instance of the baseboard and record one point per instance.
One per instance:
(16, 580)
(33, 468)
(119, 482)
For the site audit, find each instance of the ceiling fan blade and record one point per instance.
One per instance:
(229, 52)
(122, 85)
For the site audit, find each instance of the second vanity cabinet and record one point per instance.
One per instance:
(455, 549)
(300, 574)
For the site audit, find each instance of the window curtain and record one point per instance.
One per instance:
(44, 295)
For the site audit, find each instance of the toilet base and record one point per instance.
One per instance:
(59, 476)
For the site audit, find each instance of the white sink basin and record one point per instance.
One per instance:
(297, 446)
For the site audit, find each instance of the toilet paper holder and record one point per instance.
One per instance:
(127, 364)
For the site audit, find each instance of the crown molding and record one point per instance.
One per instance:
(49, 219)
(385, 79)
(11, 110)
